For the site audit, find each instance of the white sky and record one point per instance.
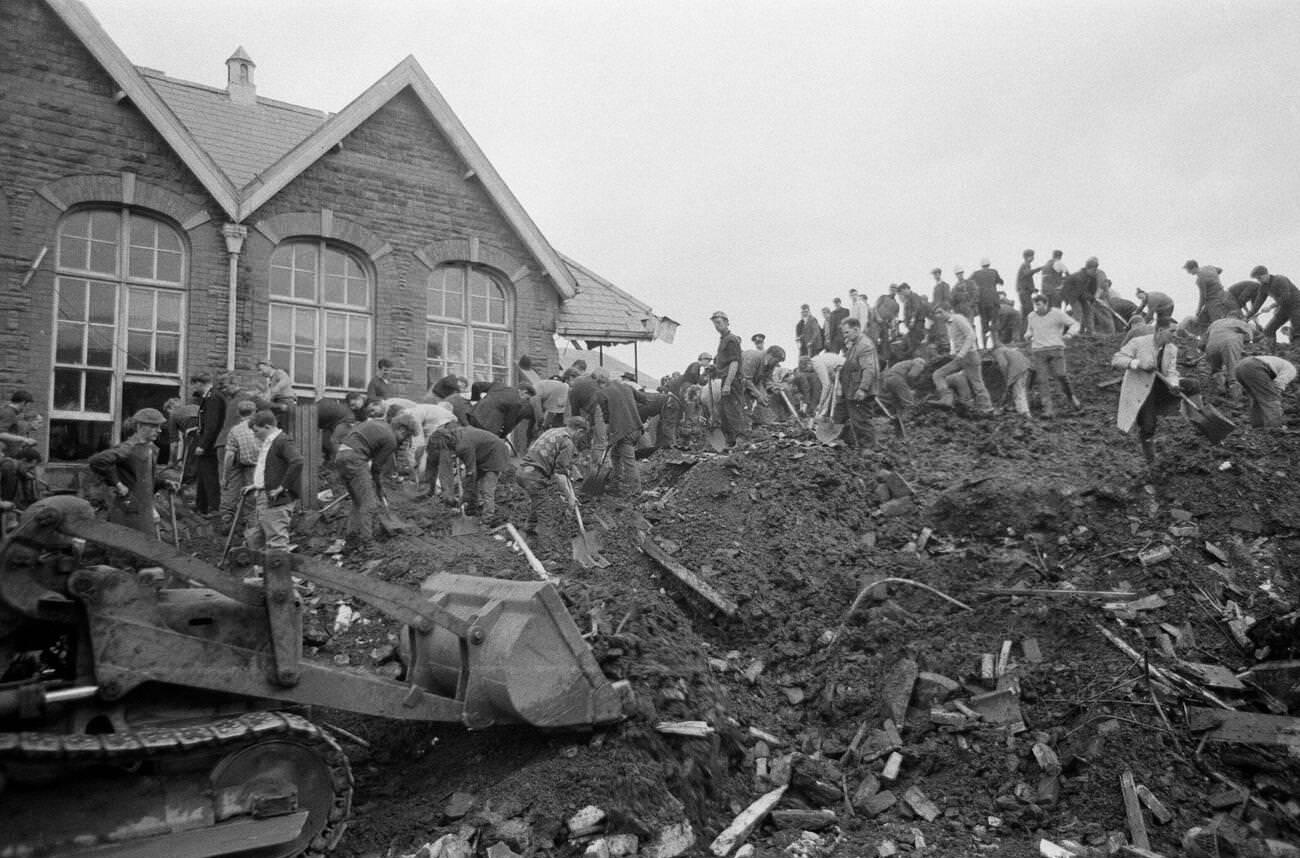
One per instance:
(751, 156)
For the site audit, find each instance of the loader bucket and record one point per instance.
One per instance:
(526, 661)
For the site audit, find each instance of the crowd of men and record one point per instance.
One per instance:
(853, 362)
(866, 359)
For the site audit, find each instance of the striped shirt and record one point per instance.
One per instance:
(242, 446)
(551, 453)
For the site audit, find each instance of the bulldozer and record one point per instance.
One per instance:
(160, 706)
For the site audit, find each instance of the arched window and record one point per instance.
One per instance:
(468, 327)
(320, 315)
(119, 325)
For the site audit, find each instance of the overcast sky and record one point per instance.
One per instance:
(751, 156)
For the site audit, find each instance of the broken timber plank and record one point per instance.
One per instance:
(740, 828)
(697, 584)
(1155, 805)
(1137, 824)
(697, 729)
(1246, 728)
(1030, 591)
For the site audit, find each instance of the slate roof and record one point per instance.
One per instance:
(603, 313)
(243, 139)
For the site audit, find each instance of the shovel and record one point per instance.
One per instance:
(896, 419)
(1209, 420)
(465, 525)
(825, 429)
(311, 518)
(586, 546)
(717, 440)
(171, 506)
(594, 486)
(790, 405)
(393, 524)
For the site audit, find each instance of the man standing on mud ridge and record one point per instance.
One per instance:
(965, 360)
(859, 384)
(1025, 283)
(727, 367)
(1054, 274)
(1047, 329)
(987, 280)
(1155, 306)
(1144, 396)
(942, 294)
(1212, 304)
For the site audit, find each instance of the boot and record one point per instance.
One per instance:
(1069, 395)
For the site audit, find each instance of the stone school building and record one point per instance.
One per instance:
(152, 228)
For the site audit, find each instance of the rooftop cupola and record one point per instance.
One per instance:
(239, 78)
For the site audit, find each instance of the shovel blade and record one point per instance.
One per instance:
(466, 525)
(395, 526)
(1213, 424)
(717, 440)
(826, 431)
(594, 486)
(580, 553)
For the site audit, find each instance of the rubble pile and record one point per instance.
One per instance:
(991, 638)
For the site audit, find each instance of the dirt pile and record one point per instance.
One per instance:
(911, 722)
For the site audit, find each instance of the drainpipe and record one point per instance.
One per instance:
(235, 234)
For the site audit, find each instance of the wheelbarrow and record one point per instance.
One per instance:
(1206, 418)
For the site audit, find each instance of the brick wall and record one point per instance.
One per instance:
(395, 190)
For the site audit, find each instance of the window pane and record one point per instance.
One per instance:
(500, 352)
(169, 311)
(304, 327)
(357, 371)
(281, 326)
(105, 226)
(281, 356)
(138, 347)
(71, 341)
(72, 300)
(73, 252)
(335, 371)
(99, 345)
(304, 366)
(304, 285)
(99, 386)
(281, 272)
(336, 335)
(139, 309)
(456, 347)
(67, 390)
(103, 258)
(77, 440)
(167, 355)
(335, 291)
(103, 303)
(478, 309)
(142, 263)
(168, 267)
(434, 349)
(359, 334)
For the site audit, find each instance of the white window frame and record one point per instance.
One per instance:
(309, 318)
(83, 272)
(473, 319)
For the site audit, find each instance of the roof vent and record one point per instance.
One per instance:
(239, 78)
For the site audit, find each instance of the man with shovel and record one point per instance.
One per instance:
(859, 384)
(1264, 378)
(276, 483)
(1151, 385)
(362, 455)
(483, 457)
(549, 458)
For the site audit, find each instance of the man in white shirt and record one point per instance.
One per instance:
(965, 360)
(1047, 329)
(1263, 378)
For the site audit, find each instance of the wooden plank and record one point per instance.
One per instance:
(306, 437)
(1213, 675)
(1137, 824)
(1047, 593)
(1246, 728)
(696, 584)
(1155, 805)
(743, 825)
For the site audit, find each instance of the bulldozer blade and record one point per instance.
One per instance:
(717, 440)
(531, 664)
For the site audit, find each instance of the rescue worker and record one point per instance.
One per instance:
(625, 428)
(548, 459)
(1225, 343)
(1014, 365)
(1155, 306)
(239, 459)
(1212, 301)
(1264, 378)
(212, 419)
(362, 456)
(727, 368)
(275, 485)
(1046, 330)
(987, 280)
(483, 457)
(1285, 296)
(13, 440)
(128, 470)
(898, 384)
(1144, 396)
(859, 384)
(965, 360)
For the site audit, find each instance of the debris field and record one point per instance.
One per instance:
(990, 637)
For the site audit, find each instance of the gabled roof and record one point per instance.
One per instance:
(245, 154)
(238, 200)
(600, 312)
(244, 140)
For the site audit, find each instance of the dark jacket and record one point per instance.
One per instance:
(861, 369)
(283, 470)
(212, 417)
(624, 421)
(500, 410)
